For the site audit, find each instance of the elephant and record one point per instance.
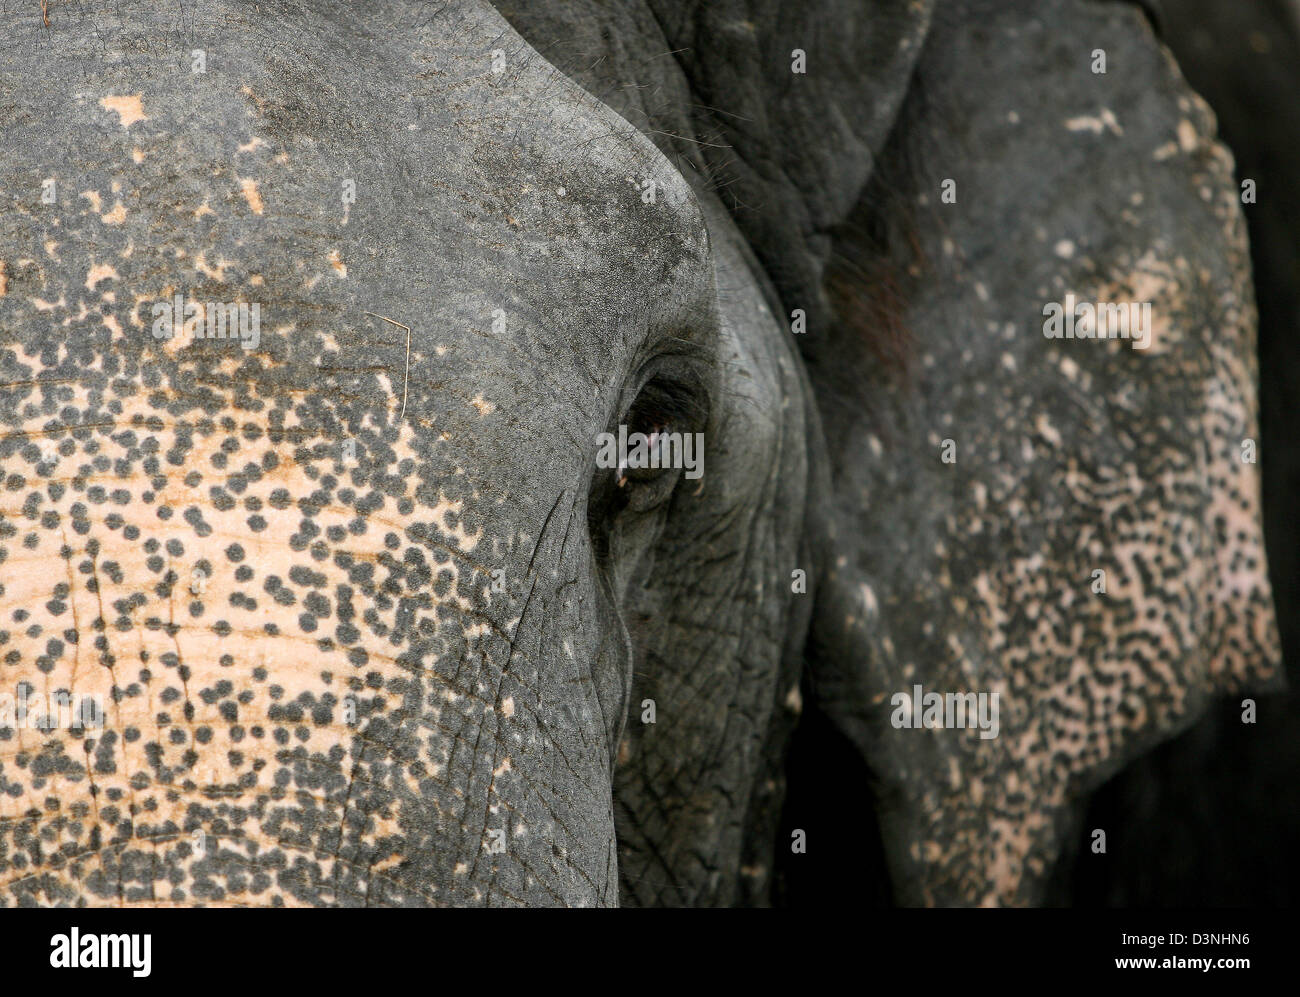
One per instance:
(314, 321)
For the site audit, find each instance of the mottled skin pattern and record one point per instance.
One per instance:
(1072, 456)
(333, 679)
(1223, 798)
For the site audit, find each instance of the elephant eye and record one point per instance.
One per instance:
(639, 464)
(658, 440)
(663, 432)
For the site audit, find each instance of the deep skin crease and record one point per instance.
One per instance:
(419, 676)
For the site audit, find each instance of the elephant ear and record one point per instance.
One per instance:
(1071, 525)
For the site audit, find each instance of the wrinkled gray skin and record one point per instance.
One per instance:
(419, 675)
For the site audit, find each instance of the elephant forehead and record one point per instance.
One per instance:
(427, 260)
(448, 179)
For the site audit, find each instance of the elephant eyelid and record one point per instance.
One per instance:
(670, 404)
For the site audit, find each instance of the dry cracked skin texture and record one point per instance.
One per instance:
(343, 677)
(925, 323)
(184, 534)
(198, 549)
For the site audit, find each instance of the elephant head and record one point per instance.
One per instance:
(372, 617)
